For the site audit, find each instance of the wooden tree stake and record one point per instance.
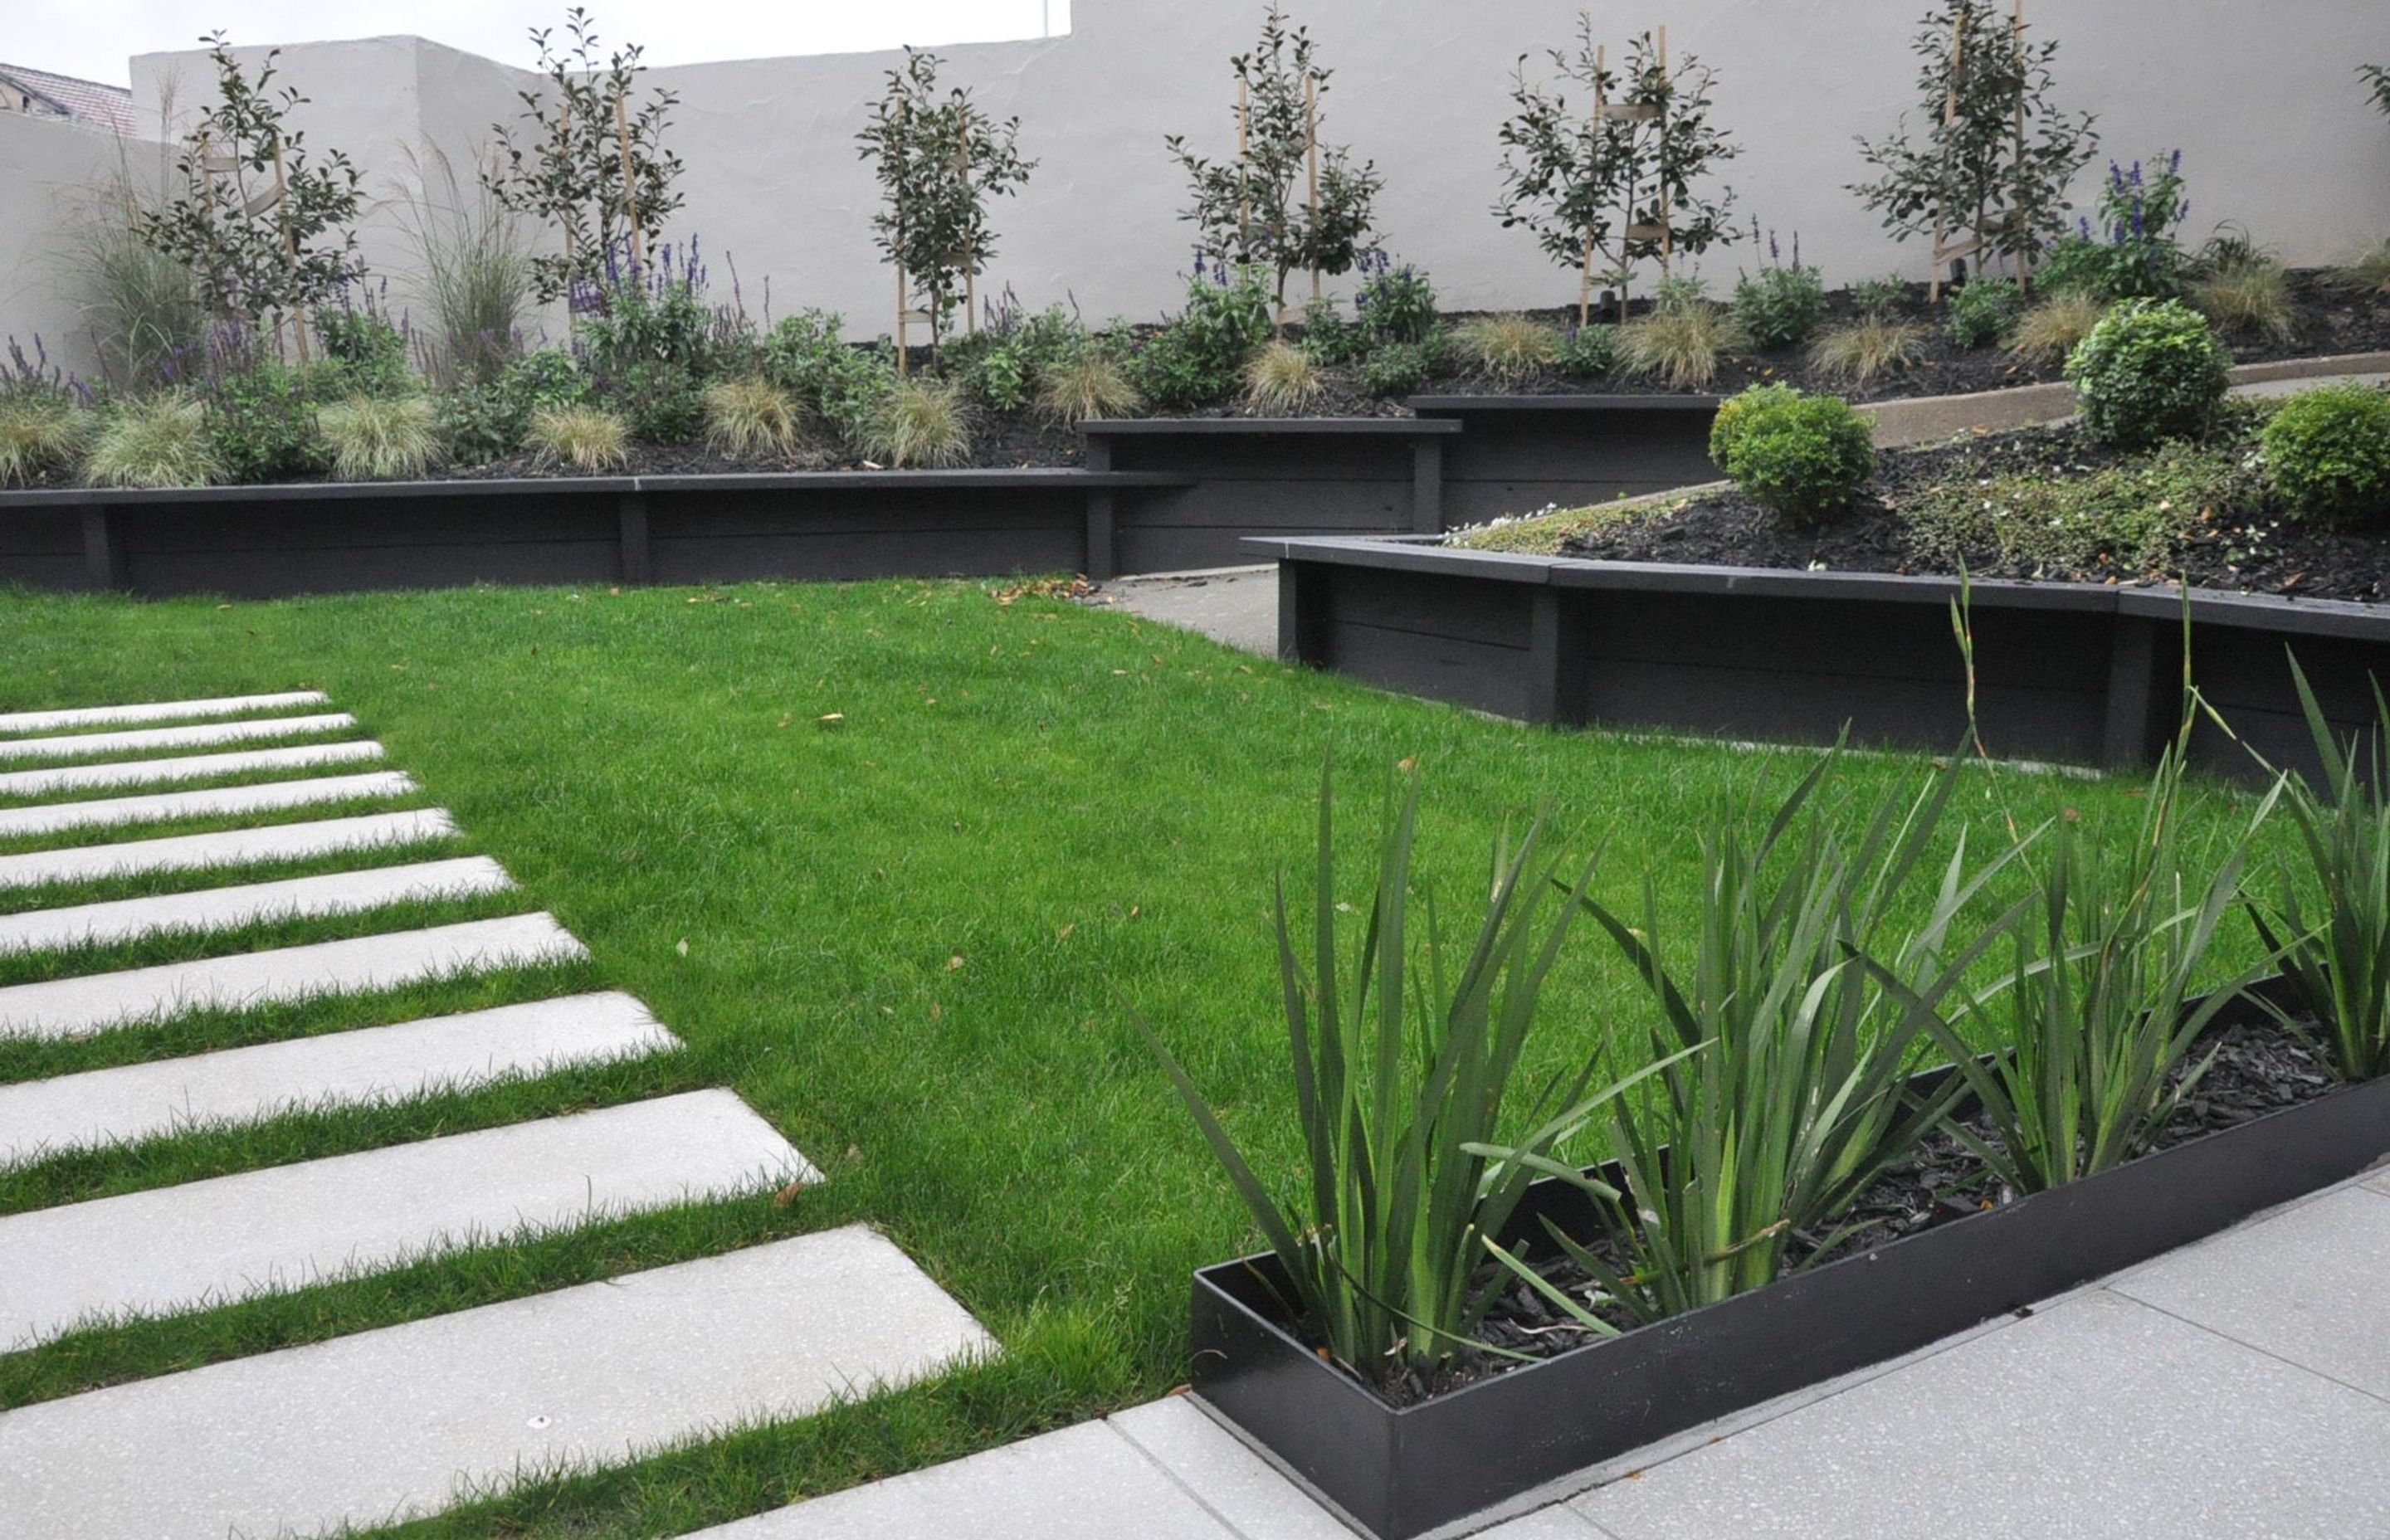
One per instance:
(970, 255)
(1244, 173)
(1585, 278)
(2023, 238)
(289, 248)
(1667, 205)
(1311, 151)
(630, 188)
(1950, 120)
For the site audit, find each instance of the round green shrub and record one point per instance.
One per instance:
(2328, 451)
(1802, 458)
(2149, 371)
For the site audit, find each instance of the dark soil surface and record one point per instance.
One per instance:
(2251, 551)
(2256, 1069)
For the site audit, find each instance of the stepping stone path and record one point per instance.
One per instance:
(406, 1418)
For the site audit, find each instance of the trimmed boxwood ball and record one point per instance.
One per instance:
(2328, 451)
(1802, 458)
(2149, 371)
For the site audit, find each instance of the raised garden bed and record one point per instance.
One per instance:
(2080, 673)
(1400, 1472)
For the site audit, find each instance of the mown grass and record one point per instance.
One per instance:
(896, 861)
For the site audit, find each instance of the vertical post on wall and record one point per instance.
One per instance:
(1427, 484)
(639, 556)
(1302, 613)
(103, 562)
(2131, 733)
(1556, 658)
(1311, 152)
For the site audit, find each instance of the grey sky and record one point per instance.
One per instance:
(93, 38)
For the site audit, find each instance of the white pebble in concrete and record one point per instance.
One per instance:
(209, 1243)
(77, 1007)
(232, 848)
(396, 1421)
(230, 908)
(342, 1069)
(187, 767)
(78, 744)
(156, 710)
(269, 797)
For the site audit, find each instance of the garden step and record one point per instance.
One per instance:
(169, 737)
(264, 798)
(211, 1242)
(331, 1070)
(230, 908)
(77, 1007)
(403, 1420)
(189, 767)
(232, 848)
(156, 710)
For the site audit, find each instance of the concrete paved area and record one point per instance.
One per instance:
(251, 904)
(1235, 605)
(271, 796)
(232, 847)
(157, 710)
(143, 739)
(185, 768)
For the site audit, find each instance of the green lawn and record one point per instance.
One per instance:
(895, 860)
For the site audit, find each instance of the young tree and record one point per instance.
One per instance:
(1287, 201)
(1995, 157)
(596, 170)
(1620, 178)
(263, 226)
(939, 160)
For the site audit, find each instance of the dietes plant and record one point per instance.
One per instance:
(1287, 201)
(939, 160)
(596, 170)
(1996, 156)
(263, 224)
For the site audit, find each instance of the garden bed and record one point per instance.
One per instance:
(1925, 1269)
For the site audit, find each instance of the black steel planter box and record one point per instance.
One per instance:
(1402, 1473)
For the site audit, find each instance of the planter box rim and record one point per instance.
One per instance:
(1585, 402)
(1116, 427)
(511, 486)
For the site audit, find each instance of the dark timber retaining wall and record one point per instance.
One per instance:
(1516, 454)
(2073, 672)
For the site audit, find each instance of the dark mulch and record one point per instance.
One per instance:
(2255, 1068)
(2253, 550)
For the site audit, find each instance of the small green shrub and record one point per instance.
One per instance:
(1200, 356)
(1089, 383)
(261, 424)
(1000, 365)
(1282, 378)
(1888, 296)
(381, 438)
(1681, 340)
(1799, 456)
(1985, 312)
(2050, 331)
(2328, 450)
(1587, 353)
(836, 381)
(1400, 368)
(1395, 305)
(1859, 352)
(2130, 249)
(1509, 348)
(478, 423)
(663, 402)
(750, 418)
(2149, 371)
(161, 442)
(921, 422)
(364, 355)
(40, 432)
(578, 436)
(1780, 306)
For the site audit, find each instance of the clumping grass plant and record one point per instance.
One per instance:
(920, 422)
(2336, 955)
(40, 432)
(381, 438)
(1281, 377)
(1399, 1091)
(750, 418)
(2369, 275)
(1862, 351)
(578, 436)
(160, 442)
(2052, 329)
(2247, 294)
(1088, 382)
(1509, 348)
(1680, 340)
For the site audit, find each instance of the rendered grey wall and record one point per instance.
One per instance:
(2277, 132)
(47, 172)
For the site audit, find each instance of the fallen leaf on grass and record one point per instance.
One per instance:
(831, 718)
(953, 962)
(683, 947)
(789, 1194)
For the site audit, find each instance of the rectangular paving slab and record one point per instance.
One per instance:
(185, 768)
(231, 848)
(211, 1242)
(156, 710)
(77, 1007)
(133, 742)
(340, 1069)
(268, 797)
(252, 903)
(396, 1421)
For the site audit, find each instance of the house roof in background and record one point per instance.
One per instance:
(86, 103)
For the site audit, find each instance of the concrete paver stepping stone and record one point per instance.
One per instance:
(210, 1242)
(397, 1420)
(2305, 1285)
(2100, 1419)
(340, 1069)
(231, 848)
(1243, 1489)
(266, 796)
(229, 908)
(168, 737)
(79, 1007)
(1086, 1482)
(156, 710)
(187, 767)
